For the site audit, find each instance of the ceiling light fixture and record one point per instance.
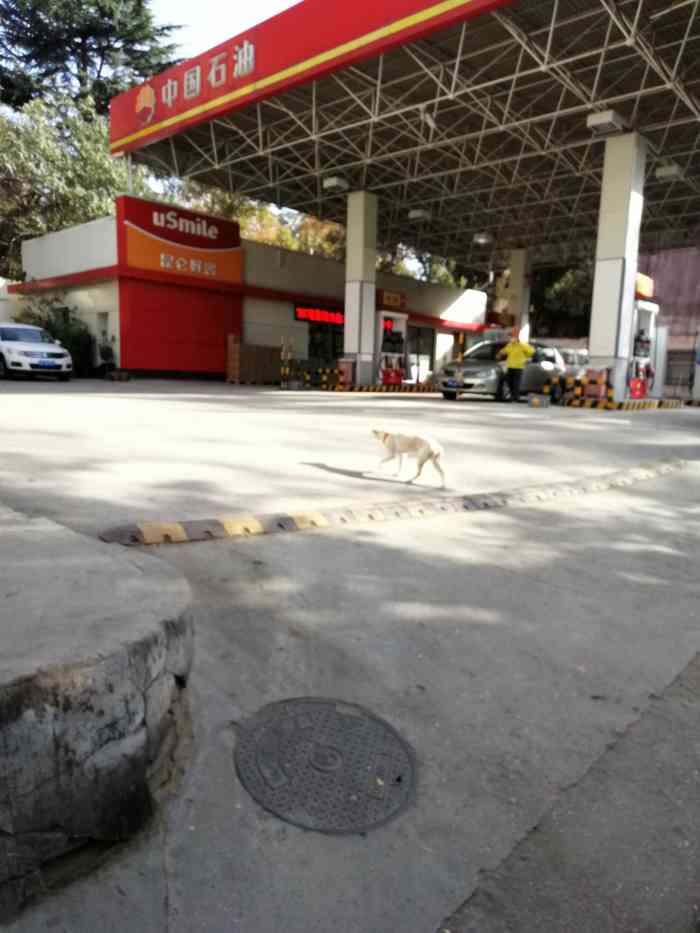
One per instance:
(670, 171)
(604, 122)
(335, 183)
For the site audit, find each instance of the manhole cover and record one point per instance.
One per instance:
(325, 765)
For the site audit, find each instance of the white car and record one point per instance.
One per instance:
(31, 350)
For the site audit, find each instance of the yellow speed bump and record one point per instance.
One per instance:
(242, 525)
(160, 532)
(305, 521)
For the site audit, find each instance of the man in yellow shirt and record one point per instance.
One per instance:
(517, 353)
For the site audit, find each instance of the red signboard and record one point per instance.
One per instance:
(175, 242)
(319, 316)
(310, 39)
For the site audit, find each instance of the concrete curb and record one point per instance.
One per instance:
(573, 395)
(243, 526)
(96, 655)
(631, 405)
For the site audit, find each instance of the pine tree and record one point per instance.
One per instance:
(78, 47)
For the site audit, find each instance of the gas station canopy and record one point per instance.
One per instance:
(480, 125)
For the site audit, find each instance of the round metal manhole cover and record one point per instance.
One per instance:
(325, 765)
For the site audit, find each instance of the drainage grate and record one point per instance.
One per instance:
(326, 765)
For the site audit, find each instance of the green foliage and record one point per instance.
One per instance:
(80, 48)
(446, 272)
(55, 172)
(320, 237)
(572, 291)
(263, 223)
(562, 300)
(63, 324)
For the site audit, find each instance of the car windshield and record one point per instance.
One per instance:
(569, 357)
(483, 352)
(24, 335)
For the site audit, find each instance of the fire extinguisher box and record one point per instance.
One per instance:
(638, 388)
(391, 377)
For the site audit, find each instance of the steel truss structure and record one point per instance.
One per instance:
(483, 128)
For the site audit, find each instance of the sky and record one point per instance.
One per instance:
(206, 23)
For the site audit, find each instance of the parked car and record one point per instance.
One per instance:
(32, 350)
(481, 373)
(577, 361)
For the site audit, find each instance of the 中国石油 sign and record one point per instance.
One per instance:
(304, 42)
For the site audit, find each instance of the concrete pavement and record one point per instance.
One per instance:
(620, 850)
(511, 648)
(93, 454)
(96, 652)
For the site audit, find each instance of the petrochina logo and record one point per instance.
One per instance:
(146, 105)
(172, 221)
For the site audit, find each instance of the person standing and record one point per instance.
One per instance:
(516, 353)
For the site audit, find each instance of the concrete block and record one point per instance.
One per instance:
(97, 648)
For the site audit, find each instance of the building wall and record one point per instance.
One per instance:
(298, 273)
(267, 323)
(76, 249)
(677, 289)
(288, 271)
(444, 344)
(98, 306)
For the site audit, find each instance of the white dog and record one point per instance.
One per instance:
(424, 449)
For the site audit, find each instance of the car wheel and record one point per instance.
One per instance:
(4, 372)
(450, 396)
(503, 393)
(556, 394)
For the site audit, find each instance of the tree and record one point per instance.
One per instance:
(55, 171)
(80, 48)
(562, 300)
(319, 237)
(263, 223)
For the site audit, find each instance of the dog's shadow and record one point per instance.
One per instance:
(368, 476)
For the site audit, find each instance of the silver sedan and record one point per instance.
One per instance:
(481, 373)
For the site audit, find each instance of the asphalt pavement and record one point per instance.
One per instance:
(512, 649)
(94, 454)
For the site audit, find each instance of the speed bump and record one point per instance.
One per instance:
(305, 521)
(163, 533)
(243, 526)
